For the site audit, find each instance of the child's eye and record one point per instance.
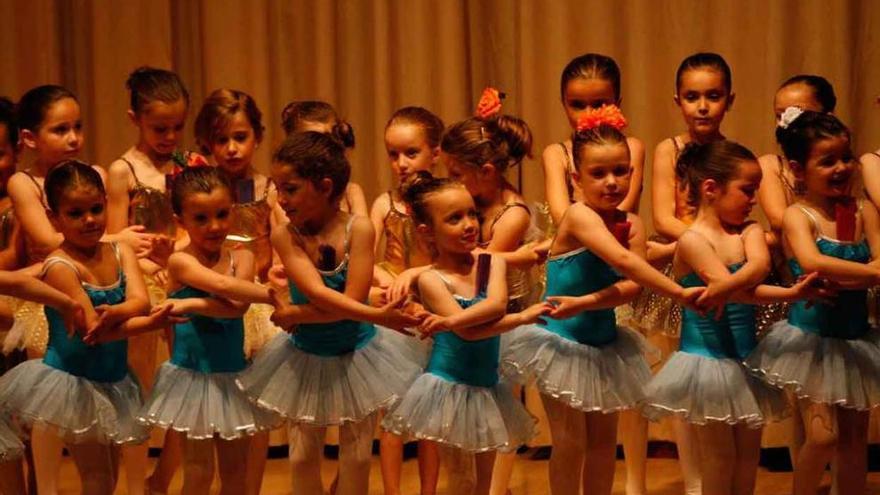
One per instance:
(97, 209)
(597, 174)
(223, 214)
(392, 155)
(621, 171)
(160, 130)
(241, 137)
(178, 127)
(577, 104)
(200, 218)
(412, 153)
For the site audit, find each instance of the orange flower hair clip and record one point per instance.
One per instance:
(606, 114)
(490, 103)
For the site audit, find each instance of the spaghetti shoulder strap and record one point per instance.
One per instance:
(391, 207)
(676, 145)
(443, 279)
(131, 169)
(813, 220)
(347, 244)
(569, 166)
(875, 154)
(505, 208)
(57, 260)
(39, 189)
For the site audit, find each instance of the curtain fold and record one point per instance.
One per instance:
(370, 57)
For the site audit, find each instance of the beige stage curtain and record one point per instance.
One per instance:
(370, 57)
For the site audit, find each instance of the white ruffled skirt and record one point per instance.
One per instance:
(703, 389)
(471, 418)
(608, 378)
(203, 405)
(332, 390)
(11, 447)
(821, 369)
(81, 410)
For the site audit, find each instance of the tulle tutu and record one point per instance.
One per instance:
(821, 369)
(703, 389)
(475, 419)
(203, 404)
(607, 378)
(331, 390)
(652, 312)
(258, 328)
(11, 447)
(81, 410)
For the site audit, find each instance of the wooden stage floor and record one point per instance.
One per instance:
(529, 478)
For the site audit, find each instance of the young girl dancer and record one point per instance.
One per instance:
(459, 401)
(412, 141)
(337, 368)
(705, 382)
(82, 388)
(320, 116)
(587, 83)
(195, 391)
(704, 93)
(51, 132)
(229, 128)
(827, 354)
(587, 368)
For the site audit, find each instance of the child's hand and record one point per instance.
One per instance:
(689, 298)
(433, 324)
(563, 306)
(278, 277)
(139, 240)
(160, 317)
(713, 300)
(283, 319)
(161, 248)
(74, 318)
(392, 315)
(403, 284)
(814, 289)
(533, 313)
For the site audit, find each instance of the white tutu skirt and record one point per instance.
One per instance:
(703, 389)
(332, 390)
(821, 369)
(11, 447)
(608, 378)
(81, 410)
(203, 405)
(475, 419)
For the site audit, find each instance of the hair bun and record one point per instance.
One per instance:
(690, 154)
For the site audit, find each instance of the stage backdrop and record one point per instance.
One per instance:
(370, 57)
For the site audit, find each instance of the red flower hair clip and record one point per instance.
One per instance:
(490, 103)
(606, 114)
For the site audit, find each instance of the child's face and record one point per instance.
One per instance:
(454, 223)
(297, 196)
(205, 216)
(81, 215)
(830, 168)
(161, 125)
(60, 136)
(466, 174)
(604, 175)
(408, 150)
(795, 95)
(735, 200)
(703, 99)
(582, 94)
(7, 157)
(233, 147)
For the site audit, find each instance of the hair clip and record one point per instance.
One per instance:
(788, 116)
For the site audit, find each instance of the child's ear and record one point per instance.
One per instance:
(28, 139)
(178, 220)
(487, 170)
(132, 116)
(710, 189)
(730, 100)
(435, 155)
(676, 99)
(797, 169)
(53, 218)
(325, 186)
(575, 176)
